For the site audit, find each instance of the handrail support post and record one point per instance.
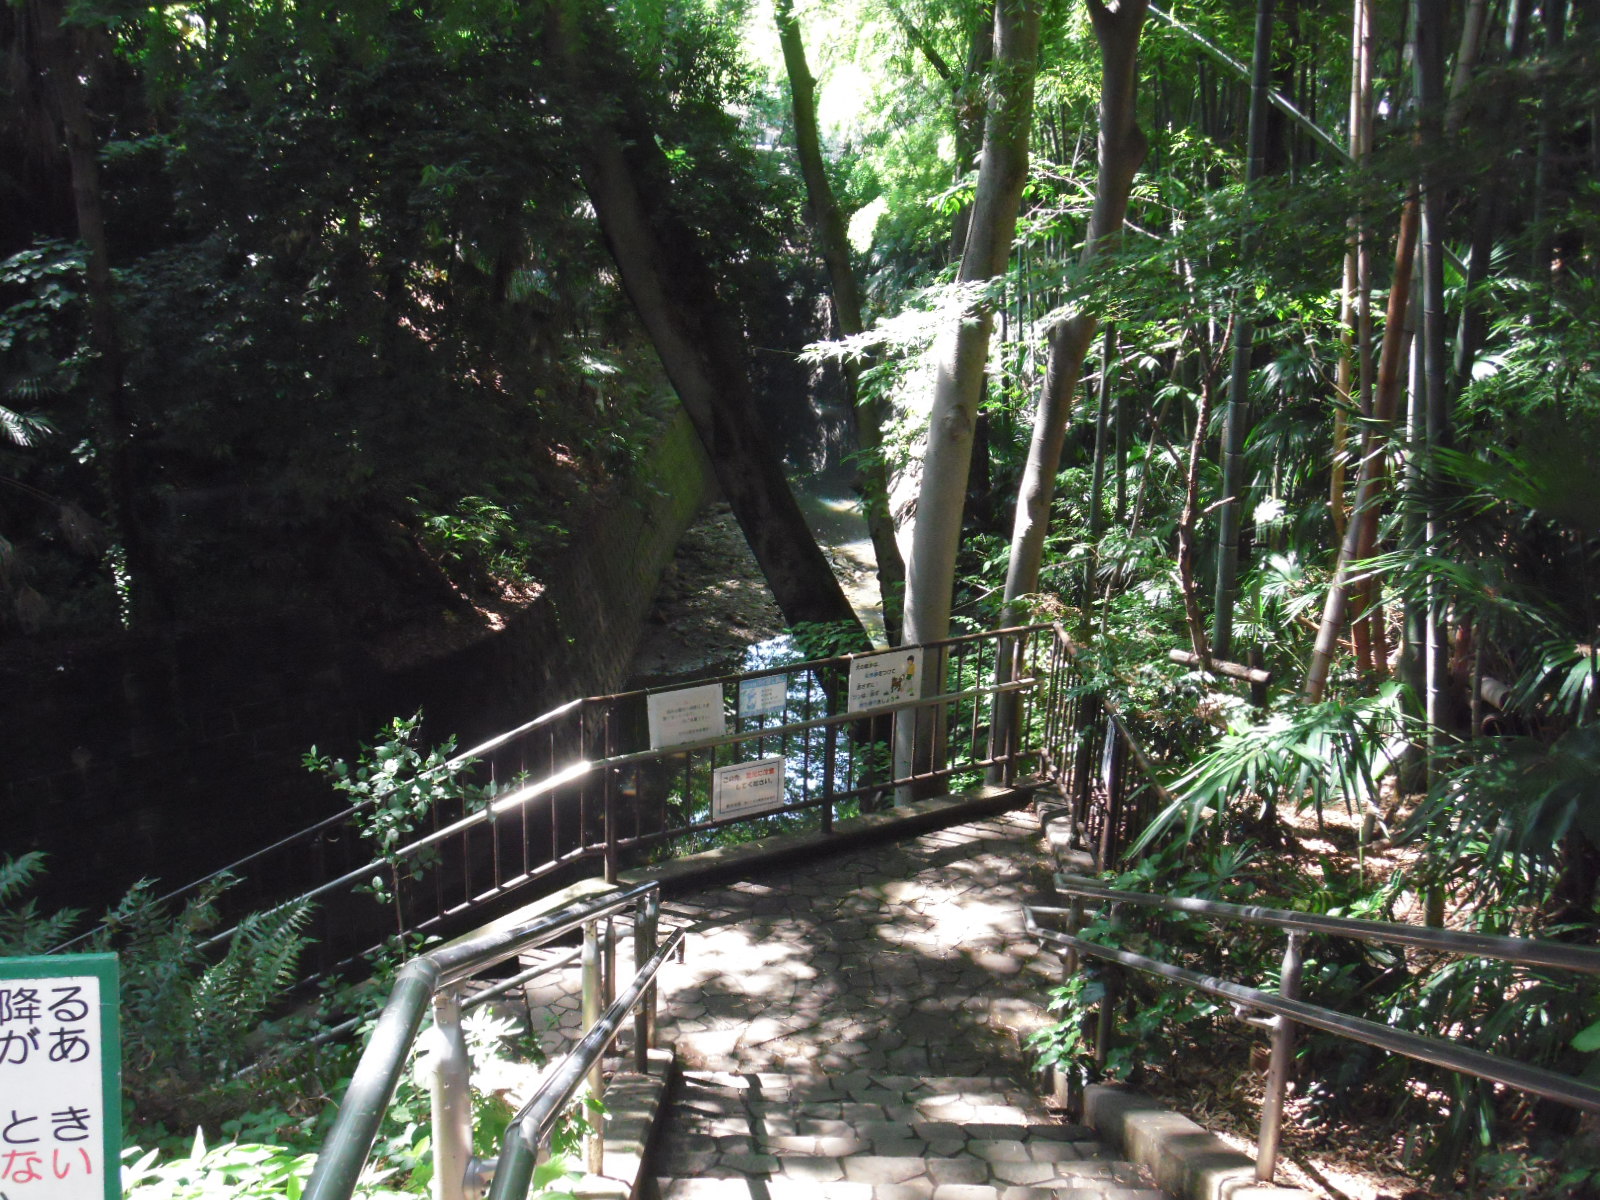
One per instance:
(646, 918)
(1281, 1064)
(449, 1070)
(1106, 1015)
(593, 986)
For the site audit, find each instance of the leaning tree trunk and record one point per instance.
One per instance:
(828, 228)
(961, 355)
(961, 352)
(672, 289)
(1122, 150)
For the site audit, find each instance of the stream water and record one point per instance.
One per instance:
(713, 614)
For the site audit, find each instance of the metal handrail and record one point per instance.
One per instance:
(1287, 1011)
(430, 978)
(589, 742)
(1527, 952)
(333, 821)
(531, 1127)
(1550, 1084)
(507, 801)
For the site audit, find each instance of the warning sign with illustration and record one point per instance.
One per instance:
(880, 679)
(691, 714)
(60, 1078)
(746, 788)
(759, 697)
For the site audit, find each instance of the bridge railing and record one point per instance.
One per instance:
(606, 781)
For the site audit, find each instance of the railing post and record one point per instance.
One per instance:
(609, 813)
(830, 758)
(646, 918)
(1105, 1018)
(1068, 1085)
(1006, 710)
(593, 986)
(449, 1071)
(1280, 1065)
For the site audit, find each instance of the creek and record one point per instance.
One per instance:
(713, 614)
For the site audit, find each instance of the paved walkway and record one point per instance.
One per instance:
(901, 958)
(851, 1030)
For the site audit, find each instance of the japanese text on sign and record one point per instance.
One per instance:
(745, 788)
(60, 1118)
(879, 679)
(686, 715)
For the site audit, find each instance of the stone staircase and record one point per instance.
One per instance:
(860, 1135)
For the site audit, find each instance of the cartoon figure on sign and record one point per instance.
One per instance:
(900, 684)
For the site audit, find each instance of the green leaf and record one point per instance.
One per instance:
(1587, 1040)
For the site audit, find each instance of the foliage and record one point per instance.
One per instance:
(393, 786)
(24, 930)
(1500, 825)
(192, 1022)
(1302, 754)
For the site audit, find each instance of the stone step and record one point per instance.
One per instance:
(773, 1083)
(897, 1168)
(784, 1188)
(860, 1096)
(929, 1139)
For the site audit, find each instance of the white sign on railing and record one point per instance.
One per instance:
(746, 788)
(880, 679)
(690, 714)
(60, 1078)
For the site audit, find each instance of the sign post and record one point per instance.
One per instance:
(60, 1078)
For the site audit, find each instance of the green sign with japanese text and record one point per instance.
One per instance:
(60, 1078)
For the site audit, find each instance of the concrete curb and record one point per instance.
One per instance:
(633, 1110)
(1186, 1160)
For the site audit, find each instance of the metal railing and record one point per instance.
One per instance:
(436, 980)
(1285, 1011)
(581, 789)
(1103, 769)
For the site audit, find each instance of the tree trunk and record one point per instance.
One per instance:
(1353, 382)
(673, 291)
(961, 351)
(67, 73)
(1186, 555)
(829, 229)
(1122, 150)
(1236, 418)
(1361, 532)
(1428, 17)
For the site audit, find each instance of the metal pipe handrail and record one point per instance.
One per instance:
(532, 1124)
(355, 1127)
(1550, 1084)
(1528, 952)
